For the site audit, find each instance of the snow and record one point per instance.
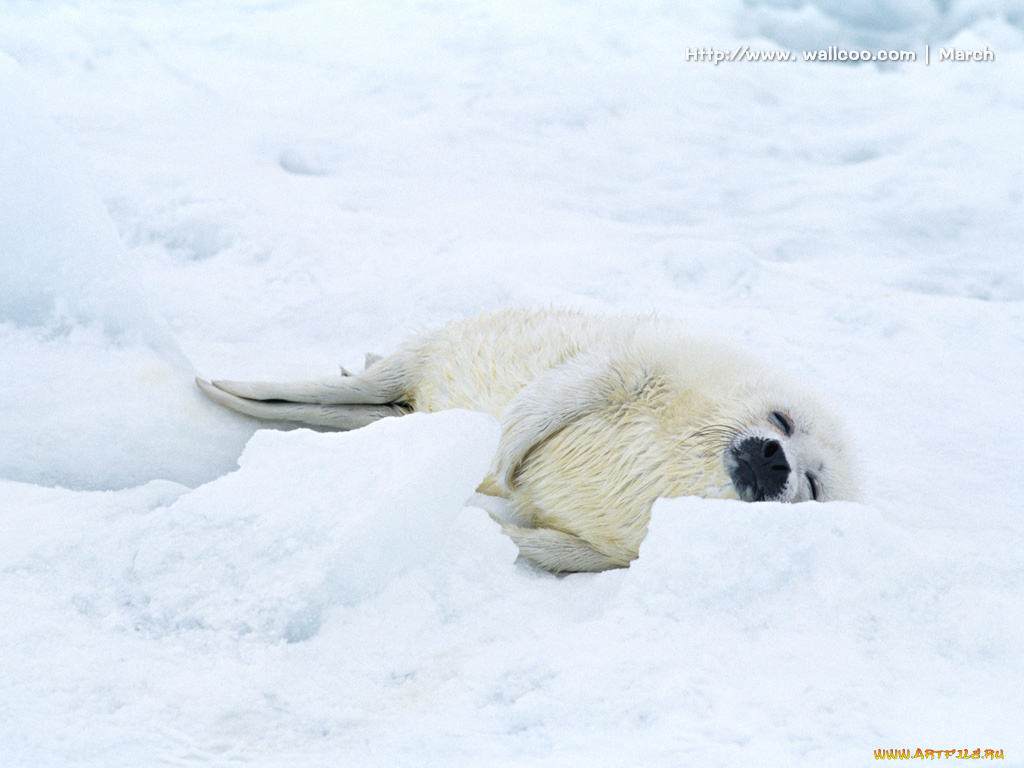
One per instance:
(232, 571)
(874, 24)
(270, 190)
(96, 391)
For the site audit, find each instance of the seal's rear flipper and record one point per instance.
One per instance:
(337, 390)
(280, 402)
(385, 381)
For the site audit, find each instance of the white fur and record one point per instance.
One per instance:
(600, 417)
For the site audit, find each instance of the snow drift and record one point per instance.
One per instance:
(95, 393)
(100, 587)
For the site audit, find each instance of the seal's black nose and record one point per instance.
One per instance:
(759, 469)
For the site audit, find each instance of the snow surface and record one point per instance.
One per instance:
(253, 189)
(86, 364)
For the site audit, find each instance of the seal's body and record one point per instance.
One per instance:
(600, 416)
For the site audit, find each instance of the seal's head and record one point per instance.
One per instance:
(790, 448)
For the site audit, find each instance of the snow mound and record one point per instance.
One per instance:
(813, 609)
(308, 520)
(96, 392)
(330, 603)
(104, 595)
(59, 252)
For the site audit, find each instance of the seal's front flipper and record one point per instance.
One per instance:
(558, 551)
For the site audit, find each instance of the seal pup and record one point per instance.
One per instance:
(600, 416)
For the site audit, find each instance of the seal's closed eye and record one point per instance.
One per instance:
(782, 422)
(812, 481)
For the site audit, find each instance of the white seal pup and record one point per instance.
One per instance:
(600, 417)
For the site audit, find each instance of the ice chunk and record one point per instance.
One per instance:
(308, 520)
